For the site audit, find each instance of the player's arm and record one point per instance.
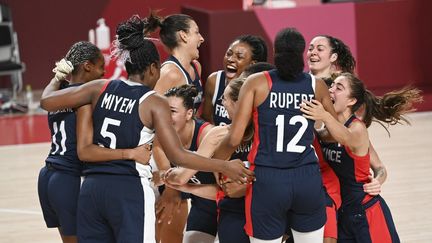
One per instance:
(379, 173)
(355, 136)
(89, 152)
(212, 138)
(242, 117)
(162, 123)
(207, 191)
(72, 97)
(209, 89)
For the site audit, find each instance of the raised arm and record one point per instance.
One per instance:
(71, 97)
(89, 152)
(355, 136)
(245, 104)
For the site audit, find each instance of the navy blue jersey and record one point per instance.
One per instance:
(117, 125)
(220, 114)
(352, 170)
(63, 154)
(200, 177)
(283, 137)
(196, 81)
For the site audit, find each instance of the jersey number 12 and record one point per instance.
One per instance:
(292, 145)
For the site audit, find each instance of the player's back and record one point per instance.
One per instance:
(117, 125)
(283, 137)
(63, 153)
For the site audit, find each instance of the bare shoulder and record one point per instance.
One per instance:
(170, 76)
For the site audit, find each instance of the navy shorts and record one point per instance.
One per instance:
(202, 216)
(116, 208)
(231, 227)
(282, 197)
(367, 223)
(58, 196)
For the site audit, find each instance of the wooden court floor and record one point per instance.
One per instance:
(408, 189)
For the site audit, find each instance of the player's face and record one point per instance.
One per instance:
(228, 103)
(340, 93)
(97, 68)
(236, 59)
(195, 39)
(319, 55)
(179, 114)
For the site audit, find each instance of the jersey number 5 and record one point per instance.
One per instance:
(292, 145)
(104, 132)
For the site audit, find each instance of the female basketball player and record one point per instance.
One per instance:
(327, 57)
(180, 35)
(362, 217)
(59, 181)
(281, 153)
(242, 52)
(116, 202)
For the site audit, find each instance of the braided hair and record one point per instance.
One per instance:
(134, 46)
(81, 52)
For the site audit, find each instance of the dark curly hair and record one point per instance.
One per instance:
(187, 92)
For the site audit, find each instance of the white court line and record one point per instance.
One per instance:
(19, 211)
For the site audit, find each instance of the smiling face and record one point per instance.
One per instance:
(179, 114)
(193, 39)
(236, 59)
(320, 57)
(340, 93)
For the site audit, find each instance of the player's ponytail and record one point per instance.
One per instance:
(389, 108)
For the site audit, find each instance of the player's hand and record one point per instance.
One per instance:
(142, 154)
(236, 170)
(313, 110)
(233, 190)
(63, 69)
(372, 188)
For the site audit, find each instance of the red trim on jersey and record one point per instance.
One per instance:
(256, 139)
(199, 132)
(361, 165)
(269, 79)
(195, 64)
(378, 228)
(104, 87)
(251, 158)
(329, 177)
(220, 195)
(248, 204)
